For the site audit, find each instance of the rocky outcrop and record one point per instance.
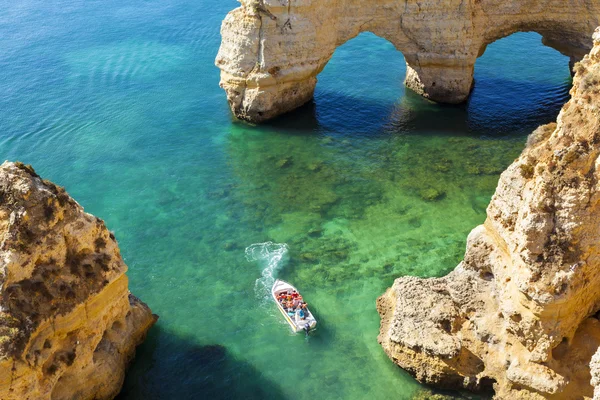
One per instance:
(595, 371)
(273, 50)
(518, 314)
(68, 324)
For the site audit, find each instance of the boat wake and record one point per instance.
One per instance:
(271, 257)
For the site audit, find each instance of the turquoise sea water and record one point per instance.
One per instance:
(119, 102)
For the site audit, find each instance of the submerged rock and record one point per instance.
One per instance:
(432, 194)
(229, 246)
(68, 323)
(443, 165)
(284, 162)
(315, 232)
(518, 314)
(309, 257)
(315, 166)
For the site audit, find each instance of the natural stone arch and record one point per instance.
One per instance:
(273, 50)
(558, 35)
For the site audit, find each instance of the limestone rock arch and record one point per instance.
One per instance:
(272, 50)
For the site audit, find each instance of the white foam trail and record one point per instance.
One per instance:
(271, 257)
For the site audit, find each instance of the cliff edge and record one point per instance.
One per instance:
(518, 314)
(68, 324)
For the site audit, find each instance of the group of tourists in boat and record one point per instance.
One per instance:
(292, 303)
(293, 307)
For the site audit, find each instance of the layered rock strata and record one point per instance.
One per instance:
(518, 314)
(272, 50)
(68, 324)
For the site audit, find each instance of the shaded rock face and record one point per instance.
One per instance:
(68, 324)
(272, 50)
(518, 314)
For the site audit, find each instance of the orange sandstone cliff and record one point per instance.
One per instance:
(68, 324)
(519, 314)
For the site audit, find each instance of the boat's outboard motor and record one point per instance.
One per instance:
(307, 328)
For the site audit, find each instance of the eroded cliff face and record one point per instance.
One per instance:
(68, 324)
(272, 50)
(518, 314)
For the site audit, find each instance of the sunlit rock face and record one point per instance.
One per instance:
(519, 313)
(272, 50)
(68, 324)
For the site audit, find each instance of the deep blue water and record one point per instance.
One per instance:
(119, 102)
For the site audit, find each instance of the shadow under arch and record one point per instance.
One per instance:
(352, 94)
(512, 94)
(559, 36)
(518, 85)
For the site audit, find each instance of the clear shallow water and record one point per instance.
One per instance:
(119, 102)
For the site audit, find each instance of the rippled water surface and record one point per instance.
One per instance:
(119, 102)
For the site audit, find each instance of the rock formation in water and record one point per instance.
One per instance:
(272, 50)
(68, 324)
(519, 313)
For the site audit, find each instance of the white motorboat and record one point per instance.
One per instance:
(293, 318)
